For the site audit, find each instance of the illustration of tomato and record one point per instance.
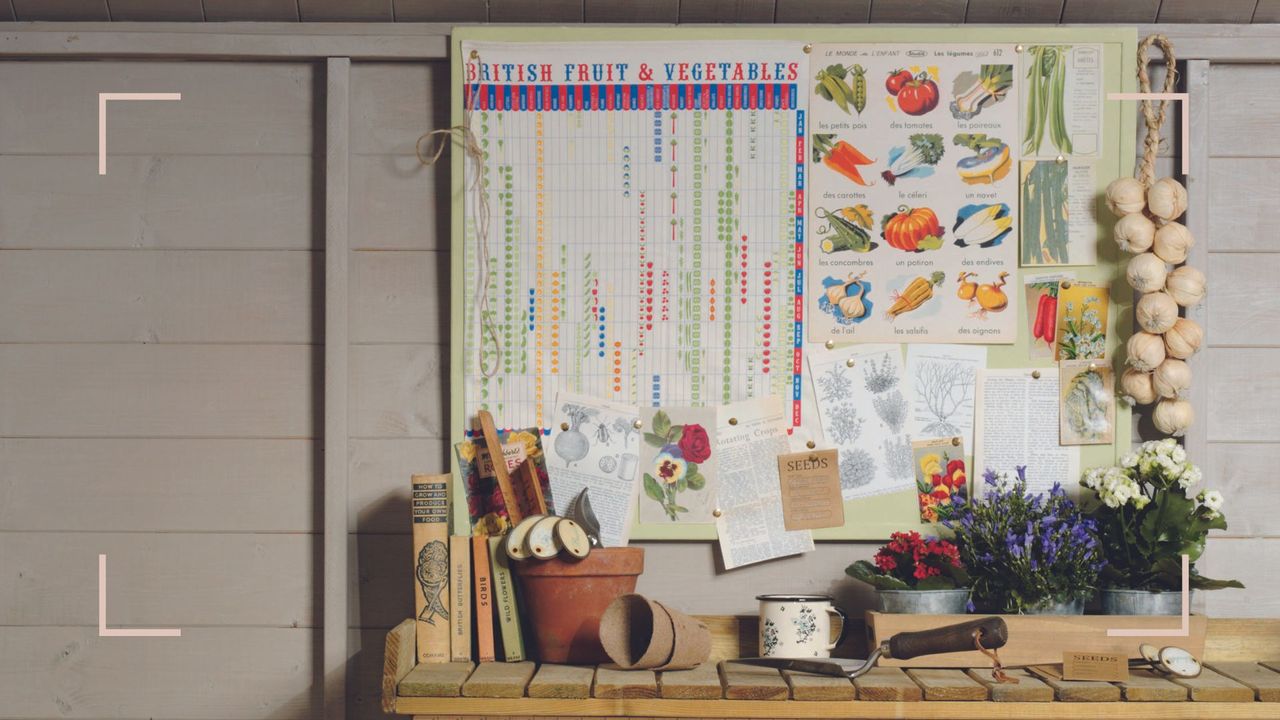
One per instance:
(912, 229)
(896, 80)
(918, 96)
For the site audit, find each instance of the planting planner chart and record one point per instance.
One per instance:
(913, 206)
(645, 224)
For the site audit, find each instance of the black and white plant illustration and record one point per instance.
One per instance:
(880, 377)
(898, 457)
(572, 444)
(857, 468)
(835, 383)
(944, 388)
(608, 464)
(891, 407)
(626, 426)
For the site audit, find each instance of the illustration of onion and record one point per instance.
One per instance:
(572, 445)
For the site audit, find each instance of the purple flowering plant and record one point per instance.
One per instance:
(1025, 551)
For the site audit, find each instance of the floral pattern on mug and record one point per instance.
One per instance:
(770, 637)
(806, 624)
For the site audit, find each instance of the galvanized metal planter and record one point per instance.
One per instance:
(923, 602)
(1141, 602)
(1070, 607)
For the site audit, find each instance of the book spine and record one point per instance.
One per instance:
(504, 600)
(460, 592)
(431, 565)
(483, 599)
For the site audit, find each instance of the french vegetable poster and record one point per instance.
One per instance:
(913, 193)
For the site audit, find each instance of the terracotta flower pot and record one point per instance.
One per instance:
(566, 598)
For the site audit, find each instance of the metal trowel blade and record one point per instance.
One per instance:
(580, 512)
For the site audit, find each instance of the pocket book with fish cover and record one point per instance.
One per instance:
(431, 566)
(504, 602)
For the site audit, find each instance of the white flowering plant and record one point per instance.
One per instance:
(1149, 515)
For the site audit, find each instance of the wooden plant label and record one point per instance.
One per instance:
(1110, 667)
(811, 490)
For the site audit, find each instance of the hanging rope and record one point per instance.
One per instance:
(479, 196)
(1153, 112)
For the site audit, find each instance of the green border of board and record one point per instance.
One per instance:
(871, 518)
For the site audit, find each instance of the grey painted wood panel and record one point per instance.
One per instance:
(441, 11)
(822, 11)
(535, 11)
(1252, 503)
(1243, 307)
(1199, 11)
(398, 391)
(379, 486)
(1267, 11)
(71, 672)
(29, 10)
(726, 11)
(226, 108)
(155, 296)
(156, 10)
(633, 11)
(393, 104)
(6, 12)
(1092, 11)
(158, 390)
(1196, 83)
(397, 204)
(1245, 404)
(1249, 560)
(382, 593)
(1014, 11)
(159, 579)
(158, 485)
(364, 690)
(257, 10)
(1244, 113)
(1239, 217)
(399, 297)
(157, 201)
(346, 10)
(926, 11)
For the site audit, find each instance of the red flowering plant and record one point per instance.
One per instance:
(912, 562)
(681, 448)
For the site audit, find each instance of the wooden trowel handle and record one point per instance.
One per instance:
(950, 638)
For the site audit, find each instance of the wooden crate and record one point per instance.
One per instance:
(1039, 639)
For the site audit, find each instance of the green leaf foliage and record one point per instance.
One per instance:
(695, 480)
(661, 423)
(653, 489)
(654, 440)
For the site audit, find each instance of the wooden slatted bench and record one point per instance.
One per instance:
(1242, 680)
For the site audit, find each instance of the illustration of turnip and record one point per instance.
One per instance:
(572, 445)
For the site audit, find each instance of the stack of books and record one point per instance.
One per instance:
(465, 594)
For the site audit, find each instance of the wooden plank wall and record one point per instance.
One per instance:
(160, 381)
(158, 390)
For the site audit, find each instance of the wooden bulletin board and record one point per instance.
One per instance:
(875, 517)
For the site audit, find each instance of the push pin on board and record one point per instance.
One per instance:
(733, 421)
(637, 424)
(717, 512)
(808, 48)
(848, 363)
(1066, 284)
(1018, 48)
(1035, 374)
(830, 344)
(1060, 159)
(811, 444)
(564, 426)
(955, 442)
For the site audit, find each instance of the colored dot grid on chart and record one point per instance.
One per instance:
(646, 245)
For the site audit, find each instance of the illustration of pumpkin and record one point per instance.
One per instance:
(912, 229)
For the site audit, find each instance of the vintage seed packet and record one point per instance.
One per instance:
(485, 505)
(1082, 320)
(1042, 314)
(942, 477)
(678, 464)
(1087, 409)
(1109, 667)
(811, 490)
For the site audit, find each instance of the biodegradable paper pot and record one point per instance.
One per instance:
(564, 600)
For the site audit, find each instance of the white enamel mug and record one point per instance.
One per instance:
(798, 626)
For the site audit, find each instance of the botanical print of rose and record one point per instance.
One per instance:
(677, 461)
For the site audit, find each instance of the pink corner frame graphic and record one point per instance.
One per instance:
(103, 97)
(1184, 631)
(104, 631)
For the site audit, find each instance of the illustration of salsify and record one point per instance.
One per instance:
(646, 208)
